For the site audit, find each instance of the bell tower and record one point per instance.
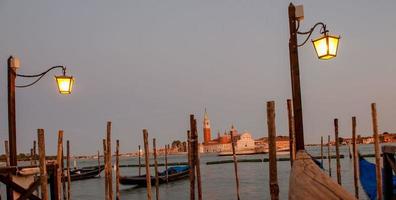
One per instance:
(206, 128)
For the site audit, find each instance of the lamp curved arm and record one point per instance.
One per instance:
(309, 33)
(38, 76)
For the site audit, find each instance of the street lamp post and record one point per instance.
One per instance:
(64, 83)
(326, 48)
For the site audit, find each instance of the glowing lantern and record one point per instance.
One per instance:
(326, 46)
(65, 84)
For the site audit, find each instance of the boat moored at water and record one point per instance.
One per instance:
(174, 174)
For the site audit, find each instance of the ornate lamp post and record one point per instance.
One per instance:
(64, 82)
(326, 48)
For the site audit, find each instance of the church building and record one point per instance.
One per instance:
(223, 142)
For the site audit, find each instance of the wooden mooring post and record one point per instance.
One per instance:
(292, 143)
(147, 162)
(7, 153)
(64, 176)
(34, 152)
(156, 170)
(273, 171)
(118, 170)
(140, 164)
(166, 162)
(106, 169)
(31, 156)
(109, 159)
(197, 161)
(338, 164)
(233, 140)
(191, 166)
(329, 154)
(321, 150)
(355, 159)
(195, 169)
(43, 167)
(59, 161)
(377, 151)
(68, 169)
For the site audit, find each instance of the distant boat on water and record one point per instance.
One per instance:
(85, 173)
(174, 174)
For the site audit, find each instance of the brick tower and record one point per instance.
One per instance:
(206, 128)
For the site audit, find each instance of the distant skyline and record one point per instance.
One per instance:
(150, 64)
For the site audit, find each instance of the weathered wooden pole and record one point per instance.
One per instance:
(34, 152)
(118, 170)
(7, 153)
(191, 165)
(295, 79)
(189, 148)
(321, 150)
(273, 171)
(156, 170)
(292, 143)
(329, 154)
(337, 151)
(31, 157)
(64, 176)
(355, 158)
(11, 76)
(197, 161)
(166, 162)
(106, 169)
(12, 65)
(68, 169)
(109, 166)
(59, 161)
(235, 166)
(43, 167)
(192, 159)
(377, 151)
(140, 165)
(147, 162)
(54, 186)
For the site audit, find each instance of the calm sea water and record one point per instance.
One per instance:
(218, 181)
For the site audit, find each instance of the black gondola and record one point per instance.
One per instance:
(85, 173)
(174, 174)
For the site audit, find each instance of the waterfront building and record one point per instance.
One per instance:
(244, 141)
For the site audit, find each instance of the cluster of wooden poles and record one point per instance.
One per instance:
(60, 181)
(108, 165)
(193, 162)
(355, 154)
(274, 188)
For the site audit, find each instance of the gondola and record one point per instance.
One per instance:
(85, 173)
(174, 174)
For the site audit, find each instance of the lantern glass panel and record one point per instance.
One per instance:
(320, 46)
(326, 46)
(333, 45)
(65, 84)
